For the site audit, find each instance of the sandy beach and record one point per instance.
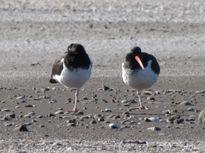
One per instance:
(34, 114)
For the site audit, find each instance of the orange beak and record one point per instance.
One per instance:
(139, 61)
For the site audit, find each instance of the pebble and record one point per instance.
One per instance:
(59, 112)
(93, 122)
(179, 121)
(21, 97)
(5, 110)
(30, 114)
(106, 88)
(39, 116)
(126, 114)
(108, 110)
(191, 109)
(147, 92)
(114, 126)
(97, 115)
(151, 98)
(191, 118)
(8, 117)
(201, 117)
(29, 105)
(151, 119)
(101, 119)
(72, 122)
(8, 124)
(166, 112)
(51, 115)
(186, 103)
(80, 113)
(84, 117)
(105, 101)
(154, 128)
(21, 128)
(42, 126)
(127, 102)
(172, 118)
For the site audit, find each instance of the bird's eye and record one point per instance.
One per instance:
(69, 48)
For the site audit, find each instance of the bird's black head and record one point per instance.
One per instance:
(76, 57)
(136, 51)
(78, 48)
(134, 58)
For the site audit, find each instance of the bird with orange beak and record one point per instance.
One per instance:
(140, 70)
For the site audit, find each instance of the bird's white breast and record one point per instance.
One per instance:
(74, 78)
(139, 79)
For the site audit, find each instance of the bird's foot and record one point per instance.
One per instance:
(74, 110)
(140, 108)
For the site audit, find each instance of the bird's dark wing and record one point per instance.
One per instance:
(56, 69)
(155, 66)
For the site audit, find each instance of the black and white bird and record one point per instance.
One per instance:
(140, 70)
(72, 70)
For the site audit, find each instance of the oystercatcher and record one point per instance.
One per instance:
(72, 70)
(140, 70)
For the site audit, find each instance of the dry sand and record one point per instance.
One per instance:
(33, 33)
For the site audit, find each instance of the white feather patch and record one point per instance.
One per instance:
(140, 79)
(75, 78)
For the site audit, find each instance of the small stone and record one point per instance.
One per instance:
(114, 126)
(105, 101)
(7, 117)
(117, 117)
(13, 115)
(106, 88)
(71, 121)
(108, 110)
(101, 119)
(16, 107)
(5, 110)
(22, 152)
(46, 89)
(39, 116)
(172, 118)
(29, 105)
(179, 121)
(51, 115)
(90, 25)
(21, 128)
(201, 117)
(191, 109)
(126, 114)
(154, 128)
(8, 124)
(29, 115)
(93, 122)
(124, 101)
(59, 112)
(151, 98)
(151, 119)
(166, 112)
(85, 98)
(21, 97)
(83, 118)
(191, 118)
(147, 92)
(186, 103)
(80, 113)
(97, 115)
(42, 126)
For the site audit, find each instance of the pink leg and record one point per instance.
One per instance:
(74, 110)
(140, 105)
